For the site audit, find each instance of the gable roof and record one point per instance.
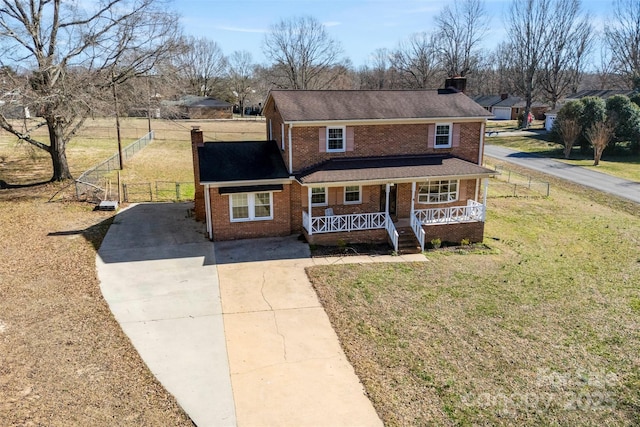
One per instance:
(223, 162)
(487, 100)
(334, 105)
(398, 168)
(604, 94)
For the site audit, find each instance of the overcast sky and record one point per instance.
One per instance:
(361, 26)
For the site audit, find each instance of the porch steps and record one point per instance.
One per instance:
(407, 241)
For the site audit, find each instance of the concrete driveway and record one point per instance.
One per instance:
(609, 184)
(233, 330)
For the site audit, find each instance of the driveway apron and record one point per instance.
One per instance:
(287, 366)
(158, 275)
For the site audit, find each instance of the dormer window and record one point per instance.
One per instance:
(336, 139)
(443, 135)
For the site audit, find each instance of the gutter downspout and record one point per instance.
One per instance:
(207, 206)
(291, 156)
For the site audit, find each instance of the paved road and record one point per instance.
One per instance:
(619, 187)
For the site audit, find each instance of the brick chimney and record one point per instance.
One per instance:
(196, 142)
(458, 83)
(504, 96)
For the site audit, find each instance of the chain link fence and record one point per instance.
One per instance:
(517, 184)
(93, 185)
(159, 191)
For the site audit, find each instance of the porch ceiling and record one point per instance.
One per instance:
(399, 168)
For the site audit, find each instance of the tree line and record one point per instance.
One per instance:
(69, 61)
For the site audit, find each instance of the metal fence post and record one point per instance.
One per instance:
(177, 191)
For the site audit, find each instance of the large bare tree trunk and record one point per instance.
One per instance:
(58, 150)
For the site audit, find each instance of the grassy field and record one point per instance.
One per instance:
(624, 166)
(541, 329)
(21, 164)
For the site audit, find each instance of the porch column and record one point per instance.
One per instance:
(413, 197)
(310, 230)
(484, 198)
(386, 199)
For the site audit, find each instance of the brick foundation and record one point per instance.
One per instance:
(454, 233)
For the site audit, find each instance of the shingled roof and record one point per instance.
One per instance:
(392, 168)
(222, 162)
(342, 105)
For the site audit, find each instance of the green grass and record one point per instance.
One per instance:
(543, 331)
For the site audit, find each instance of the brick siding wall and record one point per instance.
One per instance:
(454, 233)
(224, 229)
(333, 239)
(382, 140)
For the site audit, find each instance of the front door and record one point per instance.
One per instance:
(392, 199)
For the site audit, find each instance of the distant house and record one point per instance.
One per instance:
(352, 166)
(550, 116)
(509, 107)
(198, 107)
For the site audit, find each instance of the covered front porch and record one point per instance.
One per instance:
(404, 195)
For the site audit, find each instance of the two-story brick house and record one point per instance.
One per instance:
(356, 166)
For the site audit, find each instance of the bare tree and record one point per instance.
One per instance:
(460, 30)
(415, 60)
(599, 134)
(569, 130)
(622, 35)
(377, 73)
(528, 34)
(202, 64)
(240, 74)
(76, 53)
(302, 53)
(570, 40)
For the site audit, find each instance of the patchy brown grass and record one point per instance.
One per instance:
(63, 358)
(543, 330)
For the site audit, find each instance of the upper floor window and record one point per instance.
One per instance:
(319, 196)
(251, 206)
(336, 139)
(443, 135)
(438, 191)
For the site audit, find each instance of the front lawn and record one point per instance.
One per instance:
(544, 331)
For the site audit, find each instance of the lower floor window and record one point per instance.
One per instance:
(438, 191)
(319, 196)
(251, 206)
(352, 194)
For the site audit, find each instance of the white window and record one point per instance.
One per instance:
(438, 191)
(352, 194)
(251, 206)
(336, 139)
(442, 136)
(319, 196)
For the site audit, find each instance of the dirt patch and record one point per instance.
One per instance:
(63, 358)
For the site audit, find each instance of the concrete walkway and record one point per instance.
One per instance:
(233, 330)
(600, 181)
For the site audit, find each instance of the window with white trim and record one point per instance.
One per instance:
(336, 139)
(251, 206)
(319, 196)
(442, 135)
(438, 191)
(352, 194)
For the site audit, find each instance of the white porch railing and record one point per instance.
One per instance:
(416, 226)
(392, 232)
(472, 212)
(353, 222)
